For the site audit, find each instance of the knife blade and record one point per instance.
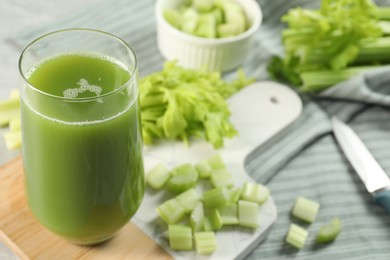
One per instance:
(363, 162)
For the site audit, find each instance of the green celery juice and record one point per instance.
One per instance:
(82, 148)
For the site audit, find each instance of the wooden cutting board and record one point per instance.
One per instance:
(258, 112)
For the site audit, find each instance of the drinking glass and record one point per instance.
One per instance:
(81, 133)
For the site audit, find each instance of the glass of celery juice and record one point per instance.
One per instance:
(82, 145)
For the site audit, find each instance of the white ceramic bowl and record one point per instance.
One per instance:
(194, 52)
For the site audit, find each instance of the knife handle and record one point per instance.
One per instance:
(383, 198)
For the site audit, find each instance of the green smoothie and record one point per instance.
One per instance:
(82, 148)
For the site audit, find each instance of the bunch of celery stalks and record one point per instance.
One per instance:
(333, 43)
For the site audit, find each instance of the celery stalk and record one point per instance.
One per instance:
(314, 81)
(296, 236)
(216, 197)
(205, 242)
(305, 209)
(172, 211)
(196, 217)
(385, 27)
(229, 214)
(180, 237)
(383, 13)
(375, 50)
(204, 169)
(158, 176)
(248, 214)
(183, 177)
(255, 192)
(221, 178)
(188, 199)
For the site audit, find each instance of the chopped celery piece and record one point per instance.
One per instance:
(296, 236)
(227, 30)
(215, 219)
(235, 15)
(248, 214)
(216, 162)
(190, 21)
(206, 26)
(207, 226)
(172, 211)
(235, 195)
(183, 177)
(255, 192)
(221, 178)
(216, 197)
(158, 176)
(196, 217)
(13, 140)
(180, 237)
(173, 17)
(329, 232)
(229, 213)
(15, 124)
(188, 199)
(203, 5)
(204, 169)
(305, 209)
(205, 242)
(9, 109)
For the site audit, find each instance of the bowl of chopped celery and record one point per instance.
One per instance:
(212, 34)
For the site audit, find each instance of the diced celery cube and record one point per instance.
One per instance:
(215, 219)
(216, 162)
(173, 17)
(296, 236)
(206, 26)
(235, 194)
(329, 232)
(255, 192)
(221, 178)
(248, 214)
(172, 211)
(188, 199)
(227, 30)
(204, 169)
(158, 176)
(196, 217)
(180, 237)
(9, 109)
(190, 21)
(205, 242)
(13, 140)
(229, 213)
(216, 197)
(182, 178)
(207, 226)
(203, 5)
(305, 209)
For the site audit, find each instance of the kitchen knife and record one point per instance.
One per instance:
(370, 172)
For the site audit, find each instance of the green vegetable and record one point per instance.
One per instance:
(208, 19)
(172, 211)
(205, 242)
(329, 232)
(255, 192)
(158, 176)
(335, 38)
(296, 236)
(13, 139)
(196, 217)
(216, 197)
(204, 169)
(221, 178)
(229, 213)
(235, 194)
(248, 214)
(183, 177)
(179, 103)
(216, 162)
(180, 237)
(215, 219)
(305, 209)
(188, 199)
(9, 109)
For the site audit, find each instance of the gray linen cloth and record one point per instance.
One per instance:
(303, 159)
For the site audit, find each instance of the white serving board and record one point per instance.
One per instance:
(259, 111)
